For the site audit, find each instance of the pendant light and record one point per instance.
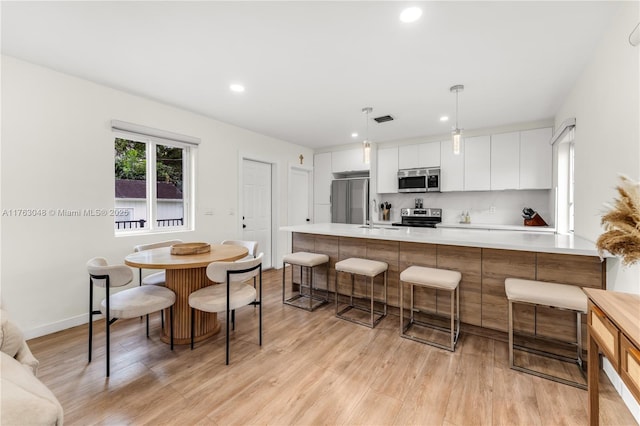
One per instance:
(366, 143)
(456, 133)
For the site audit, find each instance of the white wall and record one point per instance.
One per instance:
(57, 152)
(605, 102)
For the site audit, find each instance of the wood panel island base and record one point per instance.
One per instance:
(484, 266)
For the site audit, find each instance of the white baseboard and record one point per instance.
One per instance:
(55, 327)
(622, 389)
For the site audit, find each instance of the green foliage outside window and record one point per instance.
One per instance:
(131, 163)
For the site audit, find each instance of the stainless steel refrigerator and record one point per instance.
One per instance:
(350, 200)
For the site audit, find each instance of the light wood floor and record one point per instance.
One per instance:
(312, 369)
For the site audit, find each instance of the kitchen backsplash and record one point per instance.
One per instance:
(490, 207)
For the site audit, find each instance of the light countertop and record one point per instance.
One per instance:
(498, 227)
(543, 242)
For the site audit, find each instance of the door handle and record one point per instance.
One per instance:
(308, 220)
(244, 226)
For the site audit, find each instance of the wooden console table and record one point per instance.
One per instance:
(614, 329)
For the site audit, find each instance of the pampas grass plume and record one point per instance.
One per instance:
(622, 223)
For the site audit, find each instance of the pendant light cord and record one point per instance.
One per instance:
(457, 91)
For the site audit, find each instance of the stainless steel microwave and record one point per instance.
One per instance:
(419, 180)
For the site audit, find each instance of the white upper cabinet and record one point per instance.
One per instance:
(420, 155)
(535, 159)
(505, 161)
(477, 163)
(348, 161)
(408, 157)
(322, 178)
(387, 174)
(452, 167)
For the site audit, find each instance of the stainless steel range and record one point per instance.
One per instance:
(423, 218)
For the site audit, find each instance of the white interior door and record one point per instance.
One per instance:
(299, 200)
(256, 206)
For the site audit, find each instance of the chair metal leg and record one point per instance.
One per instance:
(171, 324)
(228, 303)
(90, 316)
(147, 326)
(401, 299)
(227, 336)
(193, 315)
(260, 312)
(108, 324)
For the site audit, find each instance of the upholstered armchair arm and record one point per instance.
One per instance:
(26, 358)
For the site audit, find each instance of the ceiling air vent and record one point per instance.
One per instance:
(383, 119)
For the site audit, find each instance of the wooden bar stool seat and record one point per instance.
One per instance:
(309, 261)
(551, 295)
(438, 279)
(370, 269)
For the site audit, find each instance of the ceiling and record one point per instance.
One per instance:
(310, 67)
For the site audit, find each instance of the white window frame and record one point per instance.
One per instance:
(188, 176)
(565, 201)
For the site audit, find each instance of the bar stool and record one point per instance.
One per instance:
(367, 268)
(438, 279)
(550, 295)
(309, 261)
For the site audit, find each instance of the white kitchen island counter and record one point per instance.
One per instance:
(482, 238)
(484, 258)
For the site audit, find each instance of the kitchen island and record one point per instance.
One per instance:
(485, 259)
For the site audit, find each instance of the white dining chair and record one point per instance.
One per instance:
(252, 246)
(129, 303)
(231, 293)
(157, 278)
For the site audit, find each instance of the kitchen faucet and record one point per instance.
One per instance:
(372, 209)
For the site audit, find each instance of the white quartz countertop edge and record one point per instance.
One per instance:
(542, 242)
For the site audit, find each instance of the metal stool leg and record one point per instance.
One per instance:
(401, 296)
(284, 268)
(372, 320)
(510, 334)
(452, 302)
(310, 271)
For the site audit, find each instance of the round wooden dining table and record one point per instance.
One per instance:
(184, 275)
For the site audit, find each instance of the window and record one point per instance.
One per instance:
(566, 183)
(153, 183)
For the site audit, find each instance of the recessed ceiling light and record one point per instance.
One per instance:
(354, 135)
(444, 118)
(411, 14)
(236, 88)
